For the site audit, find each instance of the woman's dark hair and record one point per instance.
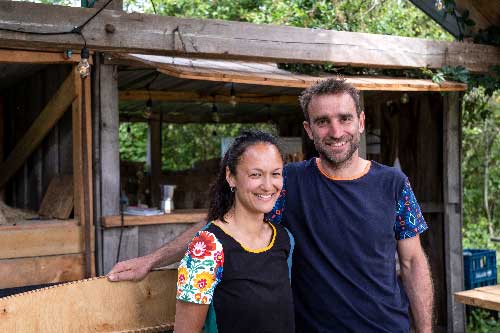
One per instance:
(221, 197)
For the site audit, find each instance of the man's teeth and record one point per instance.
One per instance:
(264, 196)
(338, 144)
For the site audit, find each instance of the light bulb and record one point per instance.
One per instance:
(439, 5)
(215, 113)
(147, 110)
(84, 66)
(232, 100)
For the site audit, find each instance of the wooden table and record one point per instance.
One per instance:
(483, 297)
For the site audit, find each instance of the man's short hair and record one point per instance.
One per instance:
(333, 86)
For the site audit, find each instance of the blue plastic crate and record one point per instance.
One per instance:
(480, 268)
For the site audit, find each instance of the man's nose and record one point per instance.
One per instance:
(335, 129)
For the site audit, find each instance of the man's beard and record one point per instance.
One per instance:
(337, 160)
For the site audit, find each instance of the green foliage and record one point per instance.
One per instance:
(391, 17)
(182, 145)
(481, 321)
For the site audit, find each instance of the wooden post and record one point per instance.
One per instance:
(82, 166)
(453, 210)
(155, 160)
(362, 142)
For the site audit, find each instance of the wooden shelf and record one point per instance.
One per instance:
(177, 216)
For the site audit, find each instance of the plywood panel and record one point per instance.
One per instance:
(41, 270)
(93, 305)
(40, 239)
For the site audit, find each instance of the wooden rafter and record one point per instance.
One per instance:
(33, 57)
(193, 96)
(268, 74)
(150, 34)
(49, 116)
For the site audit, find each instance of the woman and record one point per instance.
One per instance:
(234, 276)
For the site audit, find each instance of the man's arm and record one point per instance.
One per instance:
(417, 282)
(136, 269)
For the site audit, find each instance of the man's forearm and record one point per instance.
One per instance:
(175, 250)
(418, 285)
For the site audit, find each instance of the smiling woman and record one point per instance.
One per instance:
(235, 272)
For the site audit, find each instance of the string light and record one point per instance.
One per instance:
(232, 93)
(215, 113)
(439, 5)
(84, 66)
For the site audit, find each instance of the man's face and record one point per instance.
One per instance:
(335, 127)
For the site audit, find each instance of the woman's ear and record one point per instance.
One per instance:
(230, 178)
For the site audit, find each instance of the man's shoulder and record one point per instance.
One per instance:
(383, 171)
(298, 167)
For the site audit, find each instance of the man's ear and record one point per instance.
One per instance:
(307, 127)
(361, 122)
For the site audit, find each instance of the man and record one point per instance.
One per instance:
(349, 217)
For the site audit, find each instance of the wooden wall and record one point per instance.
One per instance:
(413, 132)
(22, 103)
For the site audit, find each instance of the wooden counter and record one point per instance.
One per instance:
(177, 216)
(483, 297)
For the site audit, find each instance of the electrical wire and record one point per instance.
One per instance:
(76, 30)
(154, 8)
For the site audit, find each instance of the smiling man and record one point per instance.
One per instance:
(349, 217)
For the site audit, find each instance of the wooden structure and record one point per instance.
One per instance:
(145, 306)
(482, 297)
(46, 132)
(190, 65)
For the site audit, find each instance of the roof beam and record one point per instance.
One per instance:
(193, 96)
(116, 31)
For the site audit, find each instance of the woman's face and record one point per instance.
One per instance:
(258, 179)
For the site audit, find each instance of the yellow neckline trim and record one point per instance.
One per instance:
(264, 249)
(324, 173)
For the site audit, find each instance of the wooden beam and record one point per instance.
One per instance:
(41, 239)
(151, 34)
(452, 188)
(177, 216)
(82, 161)
(94, 305)
(41, 270)
(36, 57)
(196, 97)
(49, 116)
(484, 297)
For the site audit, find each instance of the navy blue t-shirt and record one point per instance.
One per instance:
(346, 232)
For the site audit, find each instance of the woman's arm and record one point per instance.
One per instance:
(189, 317)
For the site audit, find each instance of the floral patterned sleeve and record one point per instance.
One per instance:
(409, 219)
(201, 269)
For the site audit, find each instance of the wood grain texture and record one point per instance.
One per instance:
(41, 239)
(49, 116)
(152, 34)
(177, 216)
(93, 305)
(32, 57)
(486, 298)
(41, 270)
(58, 200)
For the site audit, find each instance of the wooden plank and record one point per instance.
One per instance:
(152, 34)
(194, 96)
(41, 239)
(36, 57)
(58, 200)
(453, 210)
(41, 270)
(478, 298)
(35, 134)
(76, 127)
(152, 237)
(94, 305)
(129, 247)
(177, 216)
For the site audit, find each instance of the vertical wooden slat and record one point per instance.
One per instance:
(155, 156)
(362, 142)
(453, 210)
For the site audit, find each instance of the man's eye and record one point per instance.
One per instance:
(277, 174)
(254, 174)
